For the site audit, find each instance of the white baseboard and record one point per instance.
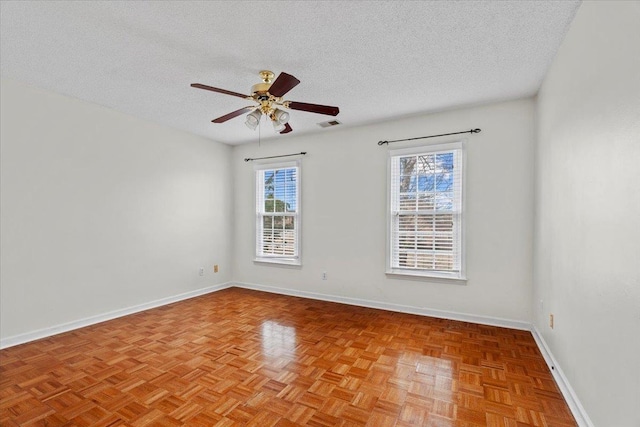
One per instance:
(92, 320)
(442, 314)
(570, 396)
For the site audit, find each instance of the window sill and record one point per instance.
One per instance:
(425, 276)
(278, 262)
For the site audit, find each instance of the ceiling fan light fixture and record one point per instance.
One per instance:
(277, 126)
(280, 116)
(253, 118)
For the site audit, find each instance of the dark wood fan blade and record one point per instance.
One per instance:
(231, 115)
(283, 84)
(286, 129)
(314, 108)
(215, 89)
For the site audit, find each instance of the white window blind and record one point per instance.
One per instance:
(278, 213)
(426, 211)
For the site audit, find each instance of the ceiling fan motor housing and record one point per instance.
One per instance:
(260, 88)
(267, 79)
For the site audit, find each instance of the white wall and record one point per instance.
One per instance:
(587, 233)
(101, 211)
(344, 199)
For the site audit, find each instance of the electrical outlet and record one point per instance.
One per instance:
(215, 268)
(324, 275)
(551, 321)
(201, 271)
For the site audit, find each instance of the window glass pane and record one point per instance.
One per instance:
(288, 243)
(290, 194)
(444, 161)
(408, 165)
(268, 190)
(407, 202)
(402, 259)
(444, 223)
(444, 243)
(424, 261)
(426, 201)
(425, 242)
(267, 222)
(425, 223)
(267, 241)
(289, 223)
(278, 235)
(425, 164)
(278, 222)
(280, 190)
(407, 260)
(407, 241)
(269, 205)
(444, 181)
(407, 184)
(426, 182)
(444, 201)
(407, 223)
(443, 262)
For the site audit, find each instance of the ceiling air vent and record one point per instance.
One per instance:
(329, 123)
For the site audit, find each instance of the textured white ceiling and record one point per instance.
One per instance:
(375, 60)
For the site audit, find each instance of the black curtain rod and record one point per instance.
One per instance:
(430, 136)
(249, 159)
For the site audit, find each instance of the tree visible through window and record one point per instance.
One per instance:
(426, 212)
(278, 220)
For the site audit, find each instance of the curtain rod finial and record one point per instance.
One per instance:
(382, 142)
(247, 159)
(475, 130)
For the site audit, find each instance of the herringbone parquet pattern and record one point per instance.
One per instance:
(246, 358)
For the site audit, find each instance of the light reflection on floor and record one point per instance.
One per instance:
(278, 340)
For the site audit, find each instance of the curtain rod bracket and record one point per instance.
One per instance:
(477, 130)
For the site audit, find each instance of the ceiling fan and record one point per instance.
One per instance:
(268, 97)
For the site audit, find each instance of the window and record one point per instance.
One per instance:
(425, 221)
(278, 213)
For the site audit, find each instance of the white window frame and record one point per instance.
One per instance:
(259, 170)
(391, 270)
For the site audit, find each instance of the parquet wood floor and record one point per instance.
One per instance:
(245, 358)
